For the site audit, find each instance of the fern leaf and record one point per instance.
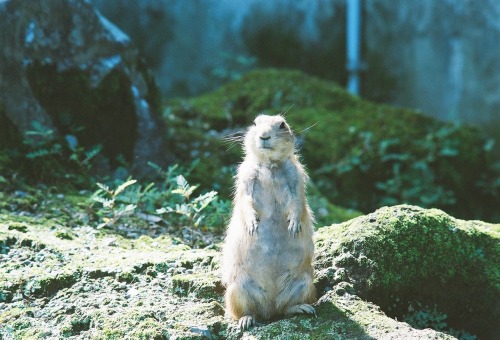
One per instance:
(204, 200)
(182, 183)
(103, 187)
(123, 186)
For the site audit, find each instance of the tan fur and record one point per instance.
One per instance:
(268, 251)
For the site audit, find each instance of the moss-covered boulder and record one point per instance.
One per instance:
(409, 260)
(361, 155)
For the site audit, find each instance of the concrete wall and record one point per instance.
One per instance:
(444, 54)
(442, 57)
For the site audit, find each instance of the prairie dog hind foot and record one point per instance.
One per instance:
(303, 308)
(246, 322)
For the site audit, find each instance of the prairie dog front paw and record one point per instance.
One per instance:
(251, 223)
(294, 226)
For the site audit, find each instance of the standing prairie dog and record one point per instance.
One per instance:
(267, 257)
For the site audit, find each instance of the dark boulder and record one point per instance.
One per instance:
(66, 67)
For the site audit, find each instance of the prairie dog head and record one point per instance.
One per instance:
(270, 139)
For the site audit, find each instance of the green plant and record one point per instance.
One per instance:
(49, 158)
(490, 182)
(114, 206)
(192, 210)
(83, 157)
(41, 142)
(426, 317)
(171, 196)
(413, 176)
(422, 317)
(409, 174)
(206, 212)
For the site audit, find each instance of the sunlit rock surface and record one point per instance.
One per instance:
(62, 281)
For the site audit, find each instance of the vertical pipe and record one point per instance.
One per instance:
(353, 45)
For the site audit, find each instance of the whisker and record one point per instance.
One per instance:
(307, 128)
(234, 136)
(233, 139)
(231, 146)
(238, 133)
(283, 113)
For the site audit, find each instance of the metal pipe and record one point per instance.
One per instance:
(354, 64)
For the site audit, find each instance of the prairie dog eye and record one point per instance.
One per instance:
(282, 126)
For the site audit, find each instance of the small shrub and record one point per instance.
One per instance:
(407, 175)
(426, 317)
(49, 158)
(113, 205)
(192, 210)
(172, 197)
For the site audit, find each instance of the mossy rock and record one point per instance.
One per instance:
(342, 317)
(403, 256)
(201, 285)
(362, 155)
(98, 284)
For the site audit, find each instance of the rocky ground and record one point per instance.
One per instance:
(114, 267)
(60, 279)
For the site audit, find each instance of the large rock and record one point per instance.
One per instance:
(57, 281)
(65, 66)
(402, 258)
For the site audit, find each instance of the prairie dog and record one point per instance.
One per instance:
(268, 251)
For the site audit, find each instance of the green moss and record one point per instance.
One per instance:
(21, 227)
(340, 316)
(101, 285)
(201, 285)
(76, 325)
(64, 234)
(408, 254)
(149, 329)
(362, 155)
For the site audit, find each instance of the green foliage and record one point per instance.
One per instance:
(114, 206)
(360, 154)
(46, 157)
(171, 197)
(426, 317)
(411, 175)
(191, 210)
(422, 317)
(40, 141)
(326, 213)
